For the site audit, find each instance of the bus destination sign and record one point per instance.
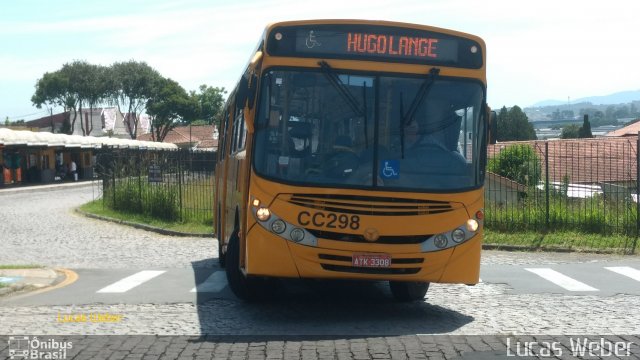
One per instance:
(375, 43)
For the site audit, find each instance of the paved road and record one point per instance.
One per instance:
(308, 320)
(199, 285)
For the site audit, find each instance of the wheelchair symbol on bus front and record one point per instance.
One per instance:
(390, 169)
(311, 41)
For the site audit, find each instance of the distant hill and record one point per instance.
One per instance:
(617, 98)
(549, 103)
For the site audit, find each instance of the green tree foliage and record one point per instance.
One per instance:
(210, 103)
(75, 85)
(576, 132)
(168, 105)
(518, 162)
(53, 90)
(96, 89)
(131, 86)
(513, 124)
(79, 75)
(132, 89)
(570, 132)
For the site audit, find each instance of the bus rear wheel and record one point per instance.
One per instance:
(408, 290)
(246, 288)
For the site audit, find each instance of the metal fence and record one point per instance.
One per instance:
(588, 186)
(169, 185)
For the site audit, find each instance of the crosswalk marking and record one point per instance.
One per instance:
(130, 282)
(626, 271)
(561, 280)
(214, 283)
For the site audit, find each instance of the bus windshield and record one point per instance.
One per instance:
(331, 128)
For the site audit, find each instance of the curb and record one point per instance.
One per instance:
(531, 249)
(65, 277)
(9, 189)
(143, 226)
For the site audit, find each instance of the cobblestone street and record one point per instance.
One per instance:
(42, 228)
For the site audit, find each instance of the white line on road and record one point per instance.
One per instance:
(626, 271)
(561, 280)
(214, 283)
(130, 282)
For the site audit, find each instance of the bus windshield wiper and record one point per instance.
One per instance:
(422, 93)
(335, 81)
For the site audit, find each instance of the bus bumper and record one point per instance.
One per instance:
(270, 255)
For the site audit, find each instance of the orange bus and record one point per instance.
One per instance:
(354, 149)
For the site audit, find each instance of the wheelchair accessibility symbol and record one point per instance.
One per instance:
(311, 41)
(390, 169)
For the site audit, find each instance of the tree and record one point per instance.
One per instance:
(570, 132)
(131, 90)
(168, 105)
(585, 130)
(53, 90)
(519, 163)
(80, 77)
(70, 87)
(95, 90)
(513, 124)
(211, 103)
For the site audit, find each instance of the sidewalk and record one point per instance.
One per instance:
(26, 280)
(31, 186)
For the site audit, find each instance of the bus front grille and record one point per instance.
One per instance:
(370, 205)
(356, 238)
(346, 266)
(365, 270)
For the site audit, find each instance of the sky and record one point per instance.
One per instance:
(536, 49)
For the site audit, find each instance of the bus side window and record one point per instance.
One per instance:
(238, 132)
(222, 148)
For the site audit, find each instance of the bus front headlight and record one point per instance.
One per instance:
(278, 226)
(440, 241)
(263, 214)
(297, 234)
(458, 235)
(472, 225)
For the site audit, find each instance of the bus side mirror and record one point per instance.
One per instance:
(247, 91)
(251, 91)
(493, 127)
(243, 90)
(249, 83)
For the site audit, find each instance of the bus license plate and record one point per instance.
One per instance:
(371, 260)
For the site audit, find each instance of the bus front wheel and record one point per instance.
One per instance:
(222, 257)
(408, 290)
(246, 288)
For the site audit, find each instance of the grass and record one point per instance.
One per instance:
(560, 240)
(96, 207)
(14, 267)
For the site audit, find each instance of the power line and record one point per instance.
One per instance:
(20, 117)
